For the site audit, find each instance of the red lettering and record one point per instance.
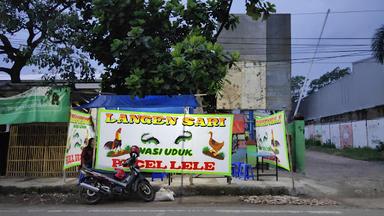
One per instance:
(209, 165)
(193, 165)
(150, 164)
(173, 165)
(116, 162)
(187, 165)
(196, 166)
(159, 163)
(69, 159)
(140, 163)
(77, 157)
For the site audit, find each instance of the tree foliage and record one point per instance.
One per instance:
(42, 33)
(297, 83)
(328, 78)
(378, 45)
(146, 46)
(162, 47)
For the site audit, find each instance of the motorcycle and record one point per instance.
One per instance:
(94, 185)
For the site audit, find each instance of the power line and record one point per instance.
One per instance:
(276, 44)
(340, 12)
(310, 67)
(304, 48)
(277, 51)
(307, 60)
(233, 37)
(297, 38)
(352, 52)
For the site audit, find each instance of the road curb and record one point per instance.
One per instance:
(5, 190)
(197, 190)
(189, 190)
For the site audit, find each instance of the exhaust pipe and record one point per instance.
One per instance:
(89, 187)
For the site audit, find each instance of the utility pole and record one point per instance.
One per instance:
(304, 87)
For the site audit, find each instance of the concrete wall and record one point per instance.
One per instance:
(325, 133)
(375, 129)
(363, 133)
(262, 78)
(360, 138)
(249, 39)
(279, 62)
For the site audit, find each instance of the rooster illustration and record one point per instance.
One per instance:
(216, 146)
(115, 143)
(274, 142)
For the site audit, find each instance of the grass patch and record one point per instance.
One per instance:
(365, 153)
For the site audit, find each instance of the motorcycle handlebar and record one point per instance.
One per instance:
(130, 161)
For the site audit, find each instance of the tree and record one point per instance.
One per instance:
(297, 83)
(328, 78)
(49, 28)
(378, 45)
(162, 47)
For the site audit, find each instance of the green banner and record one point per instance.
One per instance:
(80, 130)
(39, 104)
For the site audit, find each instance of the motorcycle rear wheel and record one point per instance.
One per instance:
(145, 191)
(88, 196)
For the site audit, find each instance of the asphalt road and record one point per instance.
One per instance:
(176, 208)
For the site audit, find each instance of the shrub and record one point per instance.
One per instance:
(329, 144)
(380, 146)
(312, 142)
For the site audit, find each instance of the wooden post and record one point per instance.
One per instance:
(94, 124)
(64, 177)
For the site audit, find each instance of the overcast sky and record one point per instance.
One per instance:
(348, 19)
(356, 19)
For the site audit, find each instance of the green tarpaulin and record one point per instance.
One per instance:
(39, 104)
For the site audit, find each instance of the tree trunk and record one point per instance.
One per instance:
(15, 76)
(15, 73)
(16, 69)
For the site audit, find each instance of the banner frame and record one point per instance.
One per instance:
(283, 122)
(181, 171)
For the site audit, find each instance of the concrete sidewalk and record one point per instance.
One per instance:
(204, 185)
(357, 183)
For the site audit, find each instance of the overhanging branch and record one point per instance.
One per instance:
(5, 41)
(6, 70)
(223, 23)
(7, 48)
(31, 32)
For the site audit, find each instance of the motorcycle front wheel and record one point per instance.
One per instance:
(145, 191)
(88, 196)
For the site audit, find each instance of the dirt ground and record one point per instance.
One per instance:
(350, 178)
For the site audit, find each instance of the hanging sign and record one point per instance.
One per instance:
(38, 104)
